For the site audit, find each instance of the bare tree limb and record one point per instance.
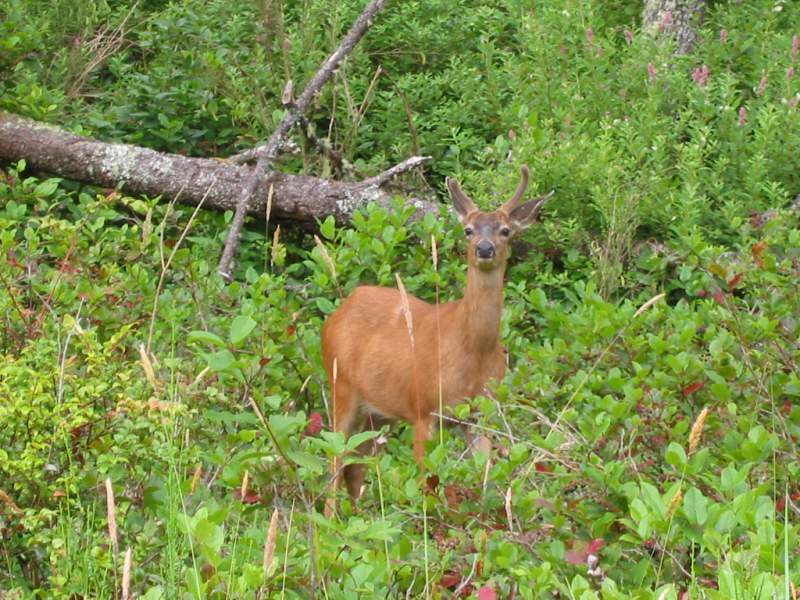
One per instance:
(404, 166)
(299, 199)
(267, 153)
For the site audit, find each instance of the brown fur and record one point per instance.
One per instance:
(455, 345)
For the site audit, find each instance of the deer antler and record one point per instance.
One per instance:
(523, 185)
(463, 203)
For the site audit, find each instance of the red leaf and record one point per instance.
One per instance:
(702, 294)
(264, 361)
(432, 483)
(487, 593)
(315, 424)
(249, 498)
(693, 387)
(576, 557)
(450, 579)
(734, 281)
(290, 330)
(595, 545)
(758, 250)
(543, 467)
(719, 296)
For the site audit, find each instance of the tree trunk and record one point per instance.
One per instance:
(297, 198)
(676, 18)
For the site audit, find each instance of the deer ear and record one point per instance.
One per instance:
(525, 214)
(461, 202)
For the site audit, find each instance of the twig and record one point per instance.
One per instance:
(165, 266)
(404, 166)
(267, 153)
(465, 582)
(412, 129)
(338, 161)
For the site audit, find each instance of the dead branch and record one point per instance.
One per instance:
(267, 153)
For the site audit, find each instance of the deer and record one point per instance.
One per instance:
(401, 358)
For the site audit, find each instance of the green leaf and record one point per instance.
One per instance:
(721, 392)
(219, 361)
(46, 188)
(675, 455)
(324, 305)
(695, 507)
(328, 227)
(311, 462)
(359, 438)
(206, 337)
(241, 328)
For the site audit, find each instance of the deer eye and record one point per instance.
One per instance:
(505, 232)
(468, 231)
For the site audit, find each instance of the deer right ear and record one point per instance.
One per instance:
(462, 203)
(524, 215)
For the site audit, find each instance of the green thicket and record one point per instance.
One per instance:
(662, 440)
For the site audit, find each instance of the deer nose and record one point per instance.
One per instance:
(484, 249)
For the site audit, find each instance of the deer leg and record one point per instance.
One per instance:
(354, 473)
(422, 433)
(345, 406)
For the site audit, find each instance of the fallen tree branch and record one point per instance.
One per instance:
(396, 170)
(300, 199)
(267, 153)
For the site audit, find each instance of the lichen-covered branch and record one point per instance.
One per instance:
(297, 198)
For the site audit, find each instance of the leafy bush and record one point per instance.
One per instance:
(635, 449)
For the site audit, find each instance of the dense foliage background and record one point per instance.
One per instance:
(632, 453)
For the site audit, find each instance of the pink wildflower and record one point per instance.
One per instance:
(651, 72)
(562, 49)
(762, 86)
(628, 36)
(723, 35)
(742, 116)
(789, 72)
(793, 101)
(590, 36)
(701, 75)
(795, 46)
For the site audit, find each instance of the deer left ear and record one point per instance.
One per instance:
(524, 215)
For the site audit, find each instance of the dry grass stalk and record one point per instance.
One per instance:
(269, 200)
(269, 544)
(434, 253)
(245, 484)
(126, 575)
(200, 377)
(111, 512)
(198, 473)
(276, 241)
(103, 46)
(406, 308)
(6, 499)
(648, 304)
(509, 513)
(697, 430)
(328, 262)
(147, 367)
(675, 503)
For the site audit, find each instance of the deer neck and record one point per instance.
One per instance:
(481, 308)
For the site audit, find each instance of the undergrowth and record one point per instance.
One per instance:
(644, 441)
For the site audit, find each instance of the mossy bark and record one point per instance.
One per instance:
(296, 198)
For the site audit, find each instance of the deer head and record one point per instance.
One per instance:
(488, 233)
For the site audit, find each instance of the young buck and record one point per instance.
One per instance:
(406, 368)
